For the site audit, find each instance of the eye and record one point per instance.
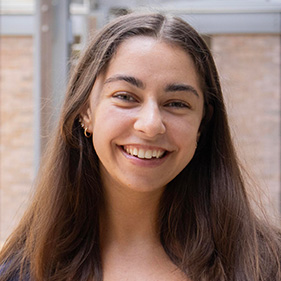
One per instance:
(123, 96)
(177, 104)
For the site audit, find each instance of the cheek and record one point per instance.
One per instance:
(185, 138)
(184, 131)
(187, 141)
(109, 123)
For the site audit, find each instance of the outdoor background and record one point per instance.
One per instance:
(38, 38)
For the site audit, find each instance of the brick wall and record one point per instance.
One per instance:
(16, 128)
(249, 67)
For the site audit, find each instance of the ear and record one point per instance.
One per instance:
(86, 118)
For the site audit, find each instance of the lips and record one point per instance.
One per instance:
(144, 153)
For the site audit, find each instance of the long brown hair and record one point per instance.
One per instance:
(206, 224)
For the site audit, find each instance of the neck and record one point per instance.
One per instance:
(129, 216)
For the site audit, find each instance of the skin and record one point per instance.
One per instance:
(148, 100)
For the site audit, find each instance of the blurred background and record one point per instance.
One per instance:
(40, 41)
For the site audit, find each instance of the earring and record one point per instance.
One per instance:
(86, 134)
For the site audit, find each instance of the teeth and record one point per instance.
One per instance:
(141, 153)
(144, 154)
(135, 152)
(148, 154)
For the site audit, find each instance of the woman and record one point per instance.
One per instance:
(141, 181)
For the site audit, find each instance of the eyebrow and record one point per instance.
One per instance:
(181, 88)
(129, 79)
(173, 87)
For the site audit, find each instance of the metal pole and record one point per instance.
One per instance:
(52, 51)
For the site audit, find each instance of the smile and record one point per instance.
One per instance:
(144, 153)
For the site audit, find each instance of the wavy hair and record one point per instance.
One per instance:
(206, 224)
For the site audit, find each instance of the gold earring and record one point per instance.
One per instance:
(87, 135)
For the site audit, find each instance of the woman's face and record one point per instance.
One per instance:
(144, 112)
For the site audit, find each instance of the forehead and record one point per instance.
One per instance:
(150, 46)
(151, 59)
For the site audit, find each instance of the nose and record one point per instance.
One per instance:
(149, 120)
